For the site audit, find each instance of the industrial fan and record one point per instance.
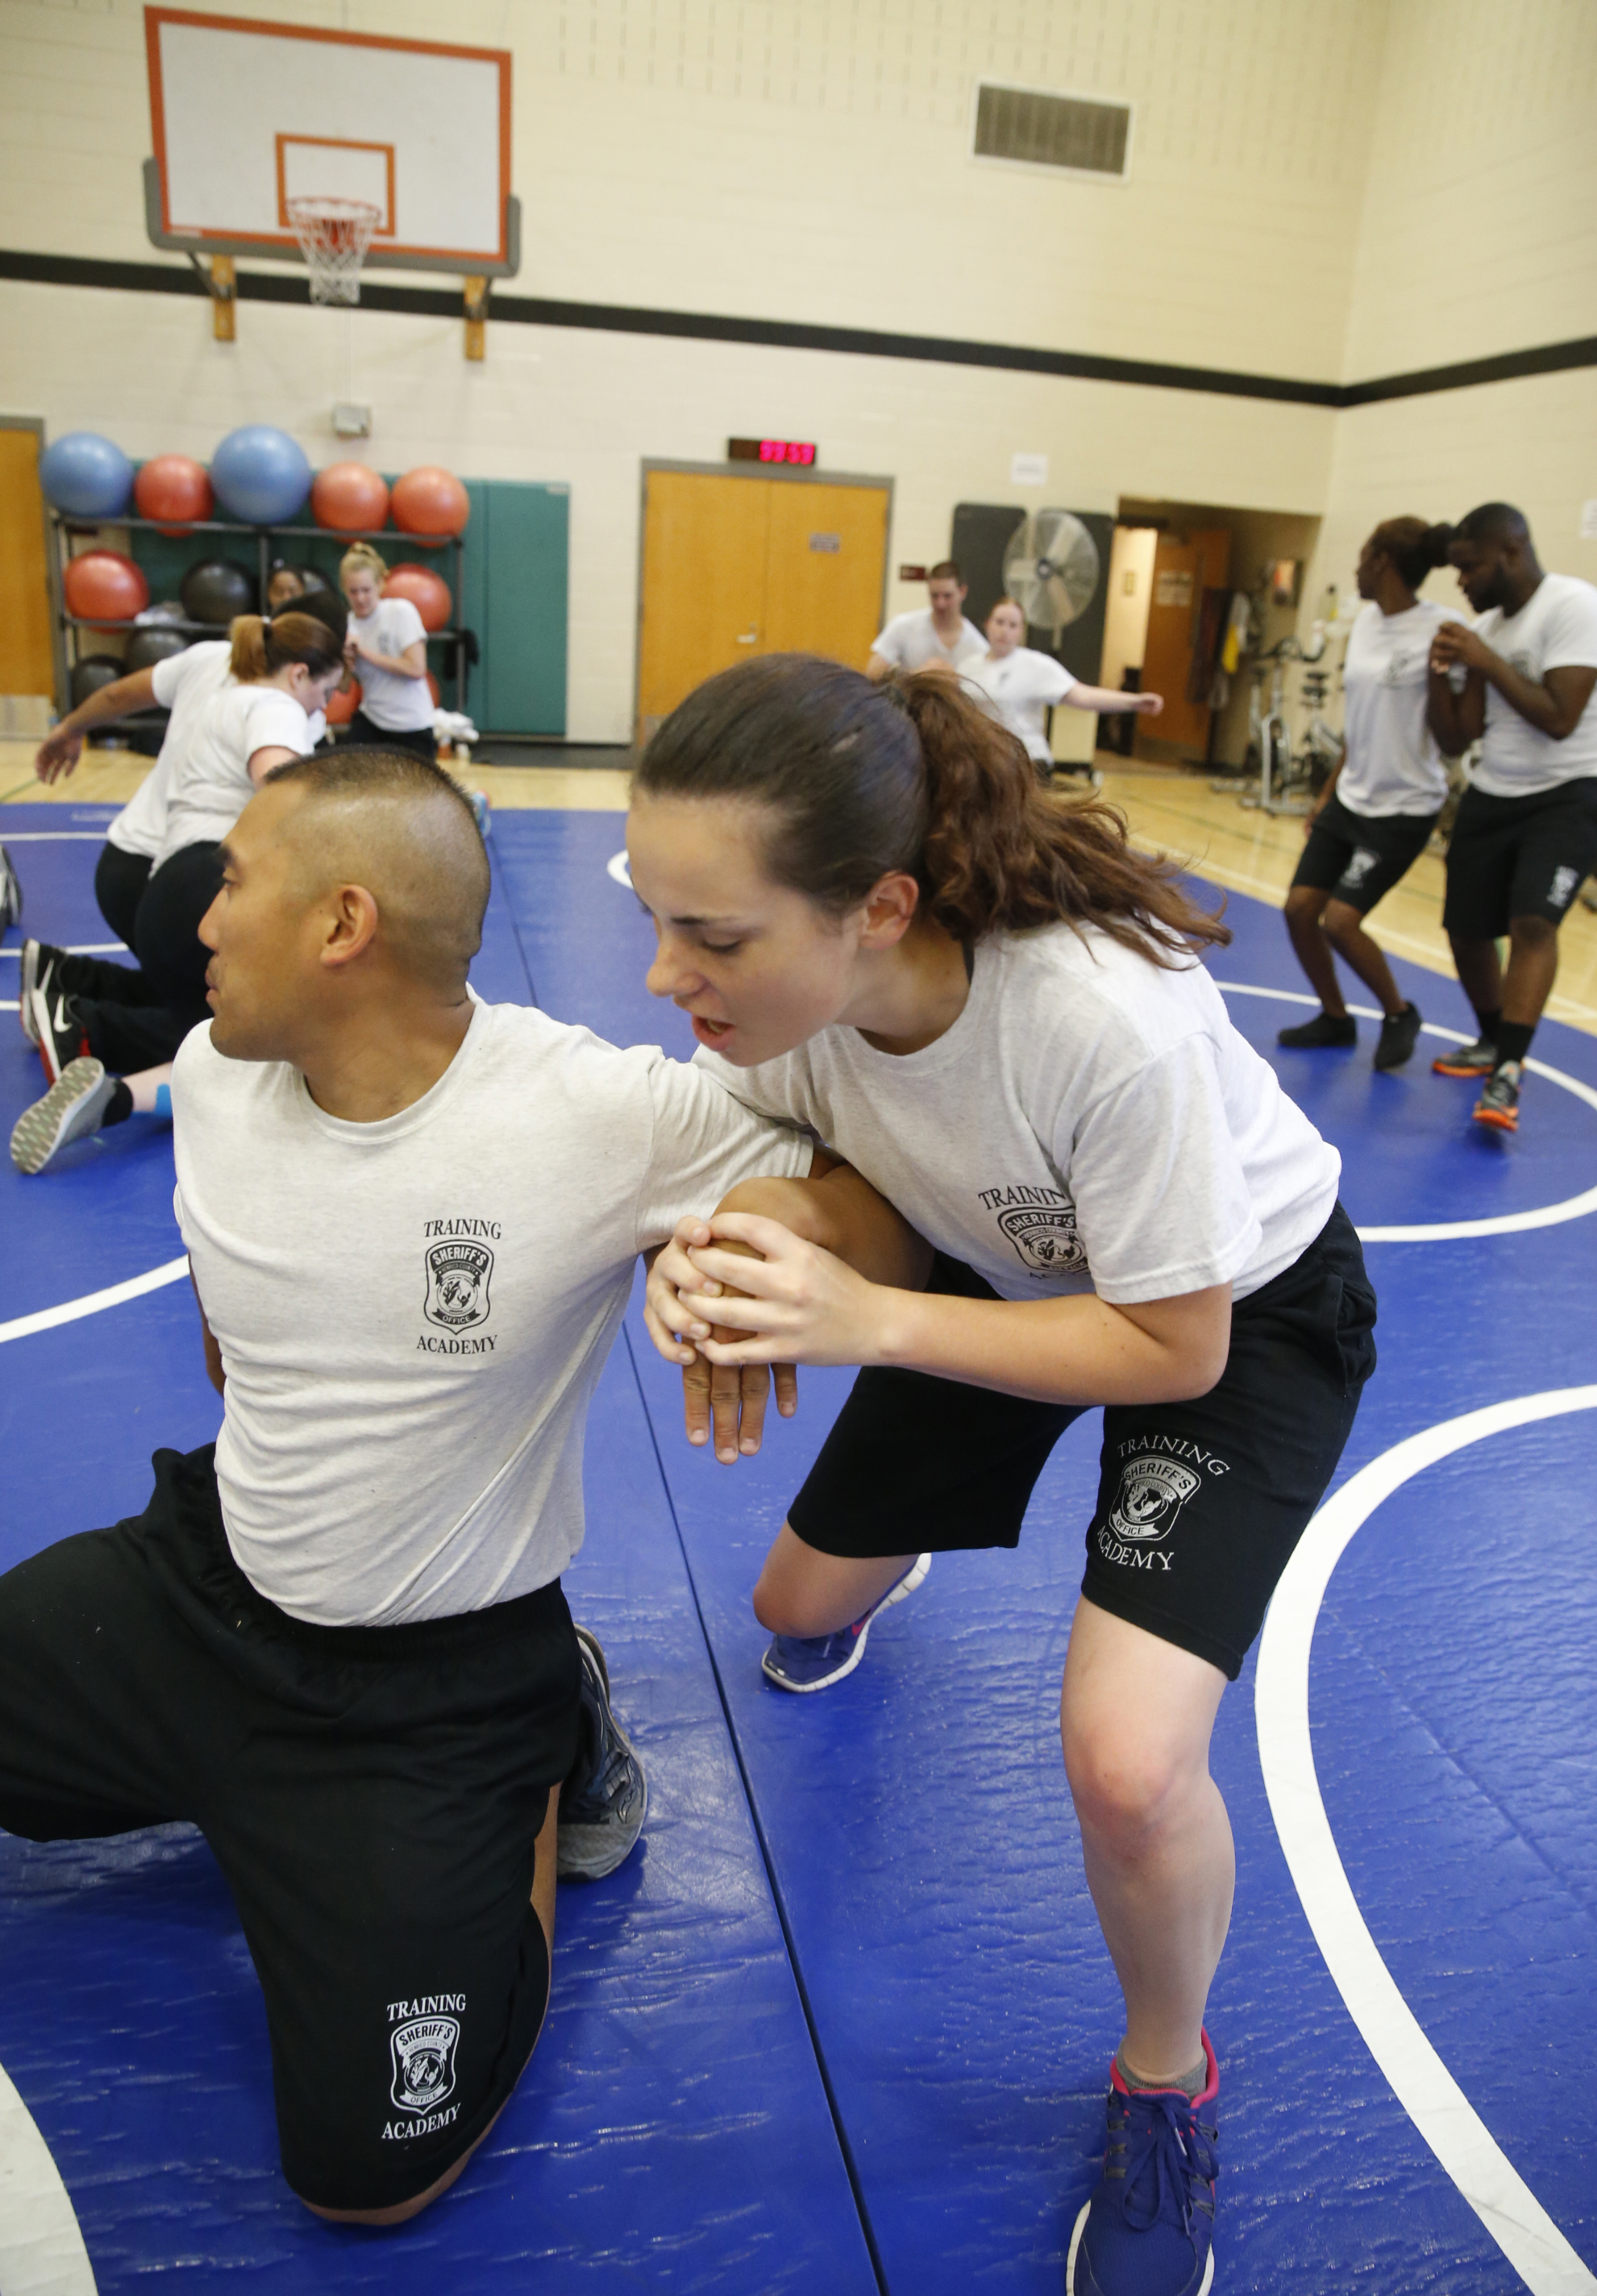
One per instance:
(1051, 569)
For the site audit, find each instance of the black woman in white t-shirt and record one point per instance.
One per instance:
(95, 1047)
(388, 652)
(1376, 813)
(977, 991)
(1022, 685)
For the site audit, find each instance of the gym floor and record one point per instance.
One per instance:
(844, 2021)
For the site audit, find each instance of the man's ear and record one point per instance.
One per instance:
(350, 924)
(891, 905)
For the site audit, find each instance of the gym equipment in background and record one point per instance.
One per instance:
(86, 476)
(1052, 567)
(89, 675)
(348, 499)
(104, 587)
(427, 593)
(216, 590)
(260, 475)
(148, 646)
(173, 490)
(429, 501)
(987, 541)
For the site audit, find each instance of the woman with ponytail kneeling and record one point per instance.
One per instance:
(976, 992)
(284, 671)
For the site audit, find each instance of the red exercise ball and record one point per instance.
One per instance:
(102, 586)
(176, 487)
(344, 704)
(349, 498)
(427, 593)
(430, 501)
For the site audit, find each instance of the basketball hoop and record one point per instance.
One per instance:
(333, 235)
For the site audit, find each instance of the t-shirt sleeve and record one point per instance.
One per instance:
(889, 642)
(276, 721)
(704, 1143)
(1053, 681)
(1572, 630)
(1162, 1203)
(406, 625)
(171, 673)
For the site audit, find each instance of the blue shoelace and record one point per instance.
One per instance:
(1161, 2161)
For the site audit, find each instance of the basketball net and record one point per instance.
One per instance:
(333, 235)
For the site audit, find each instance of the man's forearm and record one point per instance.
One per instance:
(844, 1215)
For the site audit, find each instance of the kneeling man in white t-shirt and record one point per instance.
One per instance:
(337, 1641)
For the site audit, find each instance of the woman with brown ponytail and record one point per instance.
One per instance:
(976, 992)
(284, 673)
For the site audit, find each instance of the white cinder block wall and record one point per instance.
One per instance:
(1294, 209)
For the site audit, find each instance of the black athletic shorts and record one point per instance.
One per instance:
(1357, 857)
(1519, 857)
(363, 734)
(1199, 1504)
(372, 1794)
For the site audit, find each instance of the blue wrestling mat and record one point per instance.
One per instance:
(851, 2000)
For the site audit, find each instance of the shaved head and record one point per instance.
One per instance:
(393, 822)
(1494, 522)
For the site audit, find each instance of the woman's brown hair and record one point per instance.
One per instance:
(261, 649)
(860, 779)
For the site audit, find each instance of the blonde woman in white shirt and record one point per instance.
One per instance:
(1022, 685)
(388, 652)
(979, 994)
(1375, 815)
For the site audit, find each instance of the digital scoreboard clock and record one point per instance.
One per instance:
(796, 453)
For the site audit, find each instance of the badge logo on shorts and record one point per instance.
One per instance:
(1153, 1493)
(1359, 867)
(1044, 1237)
(423, 2061)
(457, 1284)
(1561, 891)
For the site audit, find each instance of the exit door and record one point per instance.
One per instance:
(1184, 565)
(736, 566)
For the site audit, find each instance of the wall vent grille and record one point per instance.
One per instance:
(1052, 131)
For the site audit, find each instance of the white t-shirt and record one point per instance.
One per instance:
(210, 785)
(387, 697)
(183, 683)
(1393, 763)
(1556, 627)
(910, 641)
(414, 1314)
(1090, 1122)
(1020, 688)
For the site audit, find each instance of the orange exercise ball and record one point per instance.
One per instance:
(175, 489)
(427, 593)
(344, 704)
(349, 498)
(430, 501)
(102, 586)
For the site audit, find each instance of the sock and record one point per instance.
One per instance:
(118, 1108)
(1512, 1039)
(1194, 2082)
(1490, 1022)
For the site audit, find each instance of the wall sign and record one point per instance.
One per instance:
(799, 452)
(828, 543)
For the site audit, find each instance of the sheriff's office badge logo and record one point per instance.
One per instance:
(1045, 1236)
(457, 1284)
(423, 2061)
(1153, 1493)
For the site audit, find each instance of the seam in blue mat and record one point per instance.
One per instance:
(842, 2132)
(515, 928)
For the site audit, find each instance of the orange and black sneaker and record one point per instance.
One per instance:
(1477, 1060)
(1499, 1104)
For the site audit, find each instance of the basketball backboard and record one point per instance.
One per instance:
(247, 116)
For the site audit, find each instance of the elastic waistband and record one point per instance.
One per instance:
(190, 1479)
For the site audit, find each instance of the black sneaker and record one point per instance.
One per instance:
(74, 1106)
(1499, 1104)
(11, 892)
(1325, 1030)
(57, 1029)
(1477, 1060)
(40, 966)
(1399, 1033)
(600, 1822)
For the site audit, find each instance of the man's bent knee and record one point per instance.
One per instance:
(1531, 932)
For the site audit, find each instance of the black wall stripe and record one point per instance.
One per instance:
(696, 326)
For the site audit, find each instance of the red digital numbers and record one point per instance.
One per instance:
(786, 450)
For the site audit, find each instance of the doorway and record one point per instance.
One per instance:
(737, 564)
(28, 664)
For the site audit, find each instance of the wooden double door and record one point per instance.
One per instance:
(735, 566)
(1184, 566)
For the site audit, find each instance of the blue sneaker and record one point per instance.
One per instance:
(1149, 2229)
(814, 1662)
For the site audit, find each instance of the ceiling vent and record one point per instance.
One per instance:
(1037, 130)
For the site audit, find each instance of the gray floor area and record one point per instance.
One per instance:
(493, 751)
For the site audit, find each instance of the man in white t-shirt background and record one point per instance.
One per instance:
(935, 633)
(1526, 835)
(1020, 686)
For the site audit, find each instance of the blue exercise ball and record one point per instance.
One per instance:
(260, 475)
(86, 476)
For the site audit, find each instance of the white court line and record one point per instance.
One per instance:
(81, 949)
(41, 2249)
(617, 867)
(45, 1319)
(1453, 1231)
(1425, 2088)
(50, 836)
